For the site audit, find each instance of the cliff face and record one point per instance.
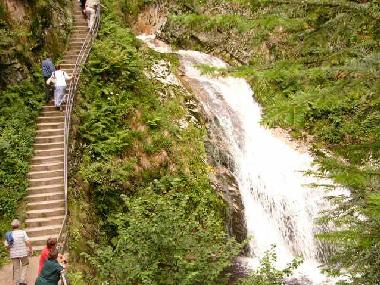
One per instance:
(27, 31)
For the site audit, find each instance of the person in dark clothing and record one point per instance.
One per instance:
(51, 272)
(47, 70)
(83, 7)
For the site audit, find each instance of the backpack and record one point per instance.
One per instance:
(9, 238)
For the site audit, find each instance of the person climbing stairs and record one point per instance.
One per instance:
(45, 200)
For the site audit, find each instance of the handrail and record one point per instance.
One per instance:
(69, 99)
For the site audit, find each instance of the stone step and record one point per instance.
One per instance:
(69, 61)
(67, 65)
(78, 12)
(79, 18)
(50, 132)
(79, 37)
(71, 57)
(76, 41)
(45, 174)
(43, 231)
(55, 113)
(40, 241)
(80, 28)
(67, 70)
(76, 45)
(49, 108)
(49, 139)
(45, 189)
(79, 15)
(47, 167)
(46, 196)
(51, 119)
(44, 205)
(46, 213)
(47, 159)
(48, 146)
(50, 125)
(46, 181)
(74, 50)
(40, 222)
(80, 22)
(49, 152)
(79, 34)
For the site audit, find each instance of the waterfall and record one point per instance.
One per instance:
(280, 203)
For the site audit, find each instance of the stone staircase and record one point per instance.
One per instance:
(46, 198)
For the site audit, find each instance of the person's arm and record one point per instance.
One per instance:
(7, 245)
(51, 66)
(67, 77)
(28, 243)
(51, 79)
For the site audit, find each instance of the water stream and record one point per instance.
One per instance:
(280, 203)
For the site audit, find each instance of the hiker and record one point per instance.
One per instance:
(47, 69)
(51, 271)
(91, 8)
(51, 244)
(83, 7)
(59, 78)
(19, 246)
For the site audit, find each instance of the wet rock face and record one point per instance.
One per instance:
(221, 176)
(150, 20)
(233, 47)
(227, 45)
(12, 72)
(16, 9)
(225, 183)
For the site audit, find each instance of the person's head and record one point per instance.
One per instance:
(15, 224)
(53, 254)
(58, 67)
(51, 243)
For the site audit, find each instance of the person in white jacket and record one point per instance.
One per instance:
(59, 78)
(91, 8)
(19, 247)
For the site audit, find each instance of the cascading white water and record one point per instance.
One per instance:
(280, 203)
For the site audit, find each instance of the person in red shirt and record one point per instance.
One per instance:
(51, 244)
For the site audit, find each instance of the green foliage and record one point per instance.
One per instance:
(76, 278)
(19, 107)
(156, 246)
(223, 23)
(267, 274)
(17, 116)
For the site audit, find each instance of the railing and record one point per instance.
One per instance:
(69, 99)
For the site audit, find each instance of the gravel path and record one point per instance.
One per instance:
(6, 272)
